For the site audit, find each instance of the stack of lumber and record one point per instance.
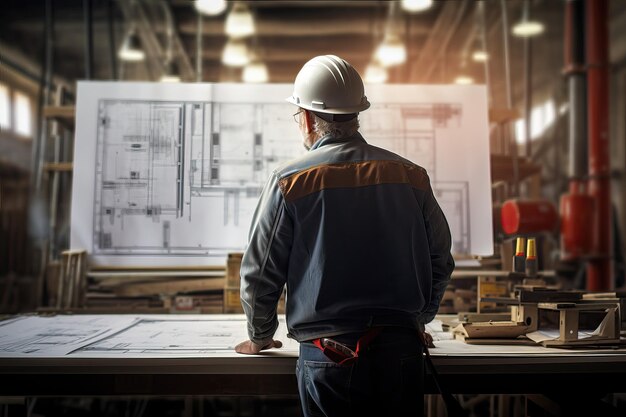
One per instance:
(155, 290)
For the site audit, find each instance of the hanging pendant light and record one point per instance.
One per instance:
(171, 74)
(463, 80)
(235, 53)
(528, 28)
(239, 22)
(210, 7)
(414, 6)
(131, 49)
(480, 56)
(391, 52)
(255, 72)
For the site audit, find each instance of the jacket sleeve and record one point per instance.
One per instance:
(440, 243)
(265, 263)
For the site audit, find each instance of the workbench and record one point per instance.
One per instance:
(126, 361)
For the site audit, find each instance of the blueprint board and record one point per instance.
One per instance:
(169, 174)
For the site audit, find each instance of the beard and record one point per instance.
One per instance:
(307, 147)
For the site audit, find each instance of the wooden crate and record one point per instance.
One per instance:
(233, 266)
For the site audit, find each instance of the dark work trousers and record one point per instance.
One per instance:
(386, 380)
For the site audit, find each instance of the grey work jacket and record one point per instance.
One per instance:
(356, 235)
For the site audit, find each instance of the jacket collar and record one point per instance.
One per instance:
(328, 139)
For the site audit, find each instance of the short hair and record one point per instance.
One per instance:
(335, 129)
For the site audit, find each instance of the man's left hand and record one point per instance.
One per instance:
(248, 347)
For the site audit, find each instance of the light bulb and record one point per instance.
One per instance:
(255, 72)
(391, 52)
(131, 48)
(170, 78)
(239, 22)
(527, 28)
(463, 80)
(416, 5)
(375, 74)
(480, 56)
(210, 7)
(171, 74)
(235, 53)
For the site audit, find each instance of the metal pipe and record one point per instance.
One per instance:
(88, 26)
(599, 271)
(112, 46)
(507, 65)
(39, 148)
(54, 190)
(485, 46)
(577, 85)
(199, 49)
(169, 31)
(509, 134)
(528, 85)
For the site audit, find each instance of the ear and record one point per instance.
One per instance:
(308, 121)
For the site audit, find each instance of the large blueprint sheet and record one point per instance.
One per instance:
(169, 174)
(193, 336)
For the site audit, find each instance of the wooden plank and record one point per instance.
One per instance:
(59, 112)
(503, 115)
(112, 270)
(114, 281)
(101, 275)
(170, 287)
(63, 114)
(491, 329)
(58, 166)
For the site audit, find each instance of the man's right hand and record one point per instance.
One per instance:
(248, 347)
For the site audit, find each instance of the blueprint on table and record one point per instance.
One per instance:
(169, 175)
(153, 335)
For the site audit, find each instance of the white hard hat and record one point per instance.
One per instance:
(328, 84)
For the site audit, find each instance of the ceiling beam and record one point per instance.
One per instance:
(315, 25)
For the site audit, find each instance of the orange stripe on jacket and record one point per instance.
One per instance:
(350, 175)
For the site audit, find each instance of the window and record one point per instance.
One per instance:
(23, 116)
(541, 118)
(5, 107)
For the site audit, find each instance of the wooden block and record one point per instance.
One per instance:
(492, 329)
(470, 317)
(232, 300)
(568, 325)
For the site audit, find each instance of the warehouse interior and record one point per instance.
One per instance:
(545, 244)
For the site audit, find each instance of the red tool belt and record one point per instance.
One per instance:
(342, 354)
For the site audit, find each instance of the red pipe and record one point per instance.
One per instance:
(599, 271)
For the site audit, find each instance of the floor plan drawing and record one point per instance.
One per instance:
(164, 168)
(410, 129)
(177, 172)
(38, 336)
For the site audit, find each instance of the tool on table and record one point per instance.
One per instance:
(519, 258)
